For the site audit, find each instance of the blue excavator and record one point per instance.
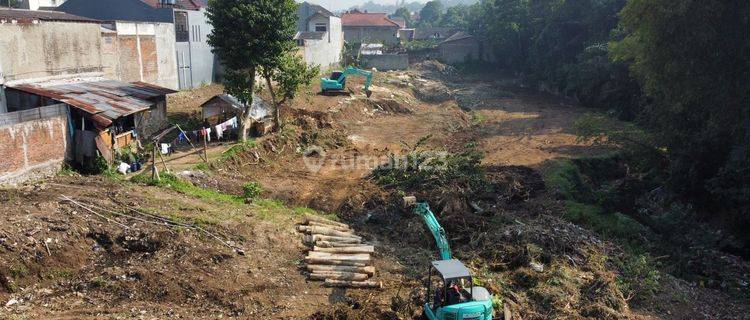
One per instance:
(451, 294)
(336, 84)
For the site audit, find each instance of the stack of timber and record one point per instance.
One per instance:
(338, 256)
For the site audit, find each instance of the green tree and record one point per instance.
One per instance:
(456, 17)
(692, 59)
(249, 35)
(431, 13)
(289, 75)
(404, 13)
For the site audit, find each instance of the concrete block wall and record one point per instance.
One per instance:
(385, 62)
(33, 150)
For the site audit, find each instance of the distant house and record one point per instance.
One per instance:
(364, 27)
(434, 33)
(195, 63)
(463, 47)
(319, 35)
(39, 4)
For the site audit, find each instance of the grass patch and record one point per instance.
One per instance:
(237, 149)
(269, 209)
(185, 187)
(300, 211)
(612, 225)
(477, 118)
(18, 271)
(565, 178)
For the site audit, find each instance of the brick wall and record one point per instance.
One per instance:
(32, 150)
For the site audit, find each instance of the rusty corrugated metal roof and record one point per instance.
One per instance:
(106, 100)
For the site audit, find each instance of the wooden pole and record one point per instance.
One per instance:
(154, 170)
(188, 140)
(205, 146)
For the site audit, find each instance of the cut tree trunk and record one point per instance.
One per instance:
(322, 268)
(325, 261)
(353, 284)
(320, 237)
(339, 276)
(329, 244)
(327, 232)
(334, 227)
(341, 256)
(310, 218)
(360, 249)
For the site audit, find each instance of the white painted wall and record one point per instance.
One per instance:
(35, 4)
(326, 52)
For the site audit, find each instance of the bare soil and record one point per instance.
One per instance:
(92, 268)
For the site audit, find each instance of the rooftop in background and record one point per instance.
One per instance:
(401, 21)
(105, 100)
(458, 36)
(21, 15)
(179, 4)
(365, 19)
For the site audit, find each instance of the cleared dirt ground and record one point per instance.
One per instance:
(58, 260)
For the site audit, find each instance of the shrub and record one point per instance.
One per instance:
(251, 191)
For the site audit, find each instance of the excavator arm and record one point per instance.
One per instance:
(366, 74)
(422, 209)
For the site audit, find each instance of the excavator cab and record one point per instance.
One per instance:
(452, 295)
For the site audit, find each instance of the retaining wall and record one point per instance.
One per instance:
(385, 62)
(33, 144)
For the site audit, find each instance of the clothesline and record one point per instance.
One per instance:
(218, 131)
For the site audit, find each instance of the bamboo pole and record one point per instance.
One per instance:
(330, 244)
(325, 225)
(320, 237)
(309, 218)
(339, 256)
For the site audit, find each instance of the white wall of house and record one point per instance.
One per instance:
(35, 4)
(326, 52)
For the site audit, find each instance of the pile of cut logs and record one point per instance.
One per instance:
(338, 256)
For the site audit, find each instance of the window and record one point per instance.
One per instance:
(301, 42)
(321, 27)
(196, 33)
(181, 26)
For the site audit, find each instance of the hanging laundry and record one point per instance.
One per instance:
(219, 131)
(208, 134)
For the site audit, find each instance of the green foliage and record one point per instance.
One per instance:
(420, 168)
(238, 148)
(185, 187)
(691, 58)
(291, 74)
(417, 45)
(639, 276)
(565, 179)
(456, 17)
(403, 12)
(430, 13)
(248, 35)
(251, 191)
(612, 225)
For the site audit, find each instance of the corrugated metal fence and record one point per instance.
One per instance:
(16, 117)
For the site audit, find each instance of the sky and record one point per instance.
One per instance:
(346, 4)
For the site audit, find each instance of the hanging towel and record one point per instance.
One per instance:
(219, 131)
(208, 134)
